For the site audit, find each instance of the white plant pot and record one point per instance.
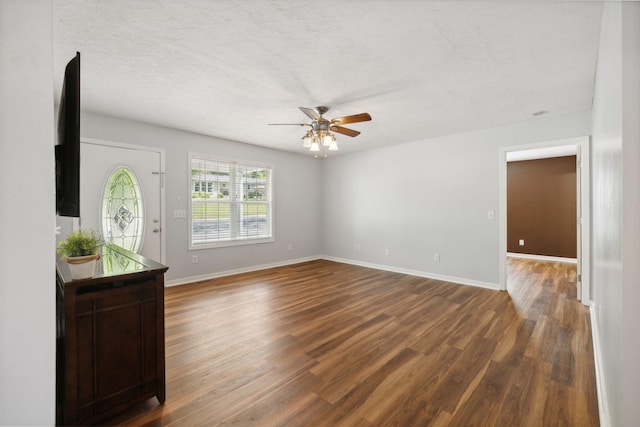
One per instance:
(82, 267)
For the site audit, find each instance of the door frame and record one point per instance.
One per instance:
(583, 211)
(161, 152)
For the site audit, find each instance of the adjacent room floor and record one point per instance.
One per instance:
(329, 344)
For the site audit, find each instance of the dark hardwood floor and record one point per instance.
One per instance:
(329, 344)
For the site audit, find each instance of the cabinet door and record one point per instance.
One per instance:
(116, 347)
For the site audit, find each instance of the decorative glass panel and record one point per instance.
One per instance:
(122, 210)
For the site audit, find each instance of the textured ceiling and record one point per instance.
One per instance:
(422, 69)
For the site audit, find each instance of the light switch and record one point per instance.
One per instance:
(491, 215)
(179, 213)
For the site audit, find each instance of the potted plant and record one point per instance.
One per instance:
(80, 251)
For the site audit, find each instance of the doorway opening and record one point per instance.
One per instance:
(552, 149)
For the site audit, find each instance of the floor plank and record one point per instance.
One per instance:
(329, 344)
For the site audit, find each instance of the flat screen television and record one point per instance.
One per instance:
(68, 143)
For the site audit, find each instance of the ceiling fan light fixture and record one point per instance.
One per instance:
(306, 141)
(321, 136)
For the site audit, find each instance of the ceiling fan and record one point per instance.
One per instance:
(321, 128)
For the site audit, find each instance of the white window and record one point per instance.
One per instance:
(231, 202)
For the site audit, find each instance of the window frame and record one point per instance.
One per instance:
(235, 240)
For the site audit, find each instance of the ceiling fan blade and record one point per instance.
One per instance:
(288, 124)
(313, 114)
(344, 131)
(362, 117)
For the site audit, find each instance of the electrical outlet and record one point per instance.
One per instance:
(436, 257)
(521, 242)
(194, 259)
(289, 247)
(357, 247)
(387, 252)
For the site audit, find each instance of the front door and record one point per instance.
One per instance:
(120, 196)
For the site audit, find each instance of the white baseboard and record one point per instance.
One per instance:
(603, 406)
(542, 257)
(418, 273)
(203, 277)
(457, 280)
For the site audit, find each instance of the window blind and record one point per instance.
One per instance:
(230, 202)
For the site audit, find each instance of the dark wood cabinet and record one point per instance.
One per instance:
(110, 347)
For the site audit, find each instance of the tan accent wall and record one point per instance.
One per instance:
(541, 206)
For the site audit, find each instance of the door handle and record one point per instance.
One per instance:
(156, 230)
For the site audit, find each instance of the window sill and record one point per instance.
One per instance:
(229, 243)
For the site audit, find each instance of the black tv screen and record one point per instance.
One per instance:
(68, 143)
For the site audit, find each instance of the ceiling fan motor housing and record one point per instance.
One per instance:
(321, 124)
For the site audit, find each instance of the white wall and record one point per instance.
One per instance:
(429, 197)
(27, 214)
(297, 196)
(616, 212)
(607, 209)
(631, 211)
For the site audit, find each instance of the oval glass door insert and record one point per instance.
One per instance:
(122, 210)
